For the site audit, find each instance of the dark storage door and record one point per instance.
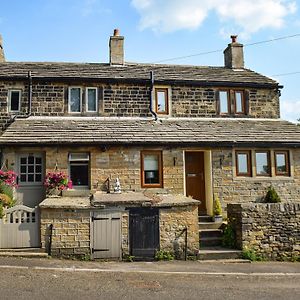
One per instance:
(144, 232)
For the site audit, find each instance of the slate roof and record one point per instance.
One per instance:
(133, 131)
(201, 75)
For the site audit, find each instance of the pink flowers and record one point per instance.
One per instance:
(57, 180)
(8, 178)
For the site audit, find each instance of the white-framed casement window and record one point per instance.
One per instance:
(224, 102)
(14, 100)
(162, 99)
(91, 99)
(75, 99)
(79, 169)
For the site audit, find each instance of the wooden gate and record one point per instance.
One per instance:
(20, 228)
(106, 235)
(144, 232)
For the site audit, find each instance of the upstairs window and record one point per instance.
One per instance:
(91, 99)
(224, 103)
(231, 102)
(162, 101)
(75, 100)
(79, 169)
(14, 100)
(151, 168)
(282, 163)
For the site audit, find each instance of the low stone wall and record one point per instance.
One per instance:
(172, 222)
(70, 233)
(271, 230)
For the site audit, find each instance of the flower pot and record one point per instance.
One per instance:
(218, 218)
(54, 193)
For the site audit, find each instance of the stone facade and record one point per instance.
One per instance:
(131, 100)
(271, 230)
(172, 223)
(70, 234)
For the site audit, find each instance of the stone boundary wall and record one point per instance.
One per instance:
(271, 230)
(172, 222)
(70, 234)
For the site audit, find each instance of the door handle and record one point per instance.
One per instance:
(191, 175)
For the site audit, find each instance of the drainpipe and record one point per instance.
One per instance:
(29, 94)
(151, 95)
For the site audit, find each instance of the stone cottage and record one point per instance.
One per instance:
(176, 137)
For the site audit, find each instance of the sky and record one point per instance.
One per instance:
(158, 31)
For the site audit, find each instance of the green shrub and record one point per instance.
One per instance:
(217, 207)
(228, 238)
(1, 211)
(251, 255)
(272, 196)
(7, 190)
(164, 255)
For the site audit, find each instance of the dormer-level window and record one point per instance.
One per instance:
(162, 101)
(91, 99)
(231, 102)
(75, 99)
(14, 101)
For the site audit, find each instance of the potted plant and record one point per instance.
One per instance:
(56, 182)
(217, 210)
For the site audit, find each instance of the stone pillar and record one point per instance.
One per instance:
(116, 49)
(234, 54)
(2, 57)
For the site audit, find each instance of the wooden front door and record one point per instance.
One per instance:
(195, 179)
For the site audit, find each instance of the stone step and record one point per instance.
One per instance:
(210, 241)
(210, 225)
(24, 252)
(218, 253)
(210, 233)
(205, 218)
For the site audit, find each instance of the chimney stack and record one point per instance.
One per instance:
(116, 49)
(2, 57)
(234, 54)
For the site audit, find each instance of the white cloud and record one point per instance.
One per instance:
(247, 15)
(290, 110)
(90, 7)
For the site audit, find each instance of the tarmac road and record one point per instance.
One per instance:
(61, 279)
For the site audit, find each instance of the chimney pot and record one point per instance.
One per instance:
(116, 32)
(233, 38)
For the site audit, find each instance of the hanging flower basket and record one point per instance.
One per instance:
(56, 182)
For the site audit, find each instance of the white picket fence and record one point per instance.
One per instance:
(20, 228)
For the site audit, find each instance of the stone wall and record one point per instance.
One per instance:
(71, 231)
(172, 222)
(271, 230)
(124, 100)
(234, 189)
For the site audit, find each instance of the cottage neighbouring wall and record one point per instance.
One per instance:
(271, 230)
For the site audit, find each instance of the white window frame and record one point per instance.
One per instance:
(83, 159)
(87, 99)
(69, 100)
(9, 100)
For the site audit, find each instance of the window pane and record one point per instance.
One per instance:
(151, 168)
(91, 94)
(79, 174)
(224, 102)
(281, 163)
(161, 101)
(239, 102)
(262, 163)
(242, 163)
(38, 178)
(14, 100)
(75, 105)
